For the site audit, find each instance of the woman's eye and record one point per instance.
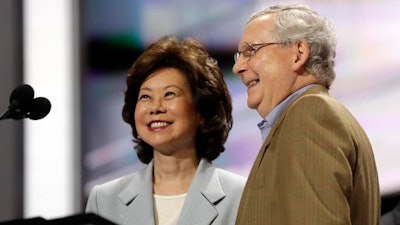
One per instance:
(143, 97)
(169, 93)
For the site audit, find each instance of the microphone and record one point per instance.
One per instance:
(23, 105)
(39, 108)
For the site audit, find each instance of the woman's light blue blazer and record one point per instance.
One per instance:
(213, 198)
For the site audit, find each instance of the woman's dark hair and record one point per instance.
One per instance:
(210, 93)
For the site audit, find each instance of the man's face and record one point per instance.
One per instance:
(268, 75)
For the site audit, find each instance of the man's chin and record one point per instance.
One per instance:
(251, 105)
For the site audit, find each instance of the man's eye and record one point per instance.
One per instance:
(246, 52)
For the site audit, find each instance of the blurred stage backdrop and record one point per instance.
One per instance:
(114, 33)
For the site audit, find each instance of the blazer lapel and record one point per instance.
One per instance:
(205, 191)
(138, 199)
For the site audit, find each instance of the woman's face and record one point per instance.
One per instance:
(165, 114)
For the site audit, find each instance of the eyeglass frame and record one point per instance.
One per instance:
(252, 51)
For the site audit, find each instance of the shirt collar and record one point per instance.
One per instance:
(266, 124)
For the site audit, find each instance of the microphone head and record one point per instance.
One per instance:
(39, 108)
(21, 96)
(20, 100)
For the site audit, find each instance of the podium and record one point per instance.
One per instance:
(79, 219)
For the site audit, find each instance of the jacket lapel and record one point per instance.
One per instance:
(205, 191)
(138, 199)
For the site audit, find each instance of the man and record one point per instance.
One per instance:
(316, 165)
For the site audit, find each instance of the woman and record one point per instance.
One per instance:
(179, 109)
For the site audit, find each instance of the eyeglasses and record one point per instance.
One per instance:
(250, 50)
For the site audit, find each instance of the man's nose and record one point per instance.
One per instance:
(239, 67)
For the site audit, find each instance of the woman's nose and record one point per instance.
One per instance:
(157, 107)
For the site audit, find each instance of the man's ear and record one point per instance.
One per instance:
(302, 52)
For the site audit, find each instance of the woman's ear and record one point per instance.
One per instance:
(302, 52)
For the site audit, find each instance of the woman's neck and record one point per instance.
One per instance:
(171, 175)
